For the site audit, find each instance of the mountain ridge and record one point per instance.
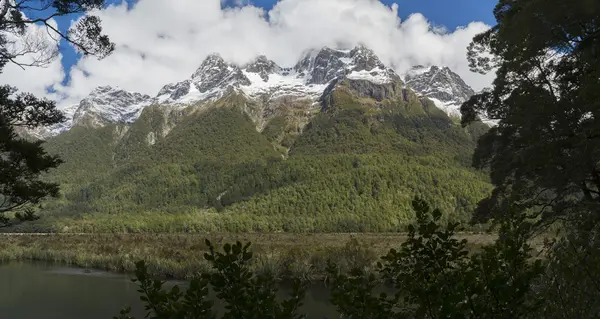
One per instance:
(264, 80)
(257, 150)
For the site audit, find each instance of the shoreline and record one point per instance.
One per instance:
(176, 256)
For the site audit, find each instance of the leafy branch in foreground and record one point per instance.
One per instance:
(545, 151)
(24, 43)
(245, 294)
(172, 304)
(432, 276)
(22, 161)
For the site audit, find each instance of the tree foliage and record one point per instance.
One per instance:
(347, 172)
(432, 276)
(544, 154)
(22, 161)
(245, 294)
(20, 46)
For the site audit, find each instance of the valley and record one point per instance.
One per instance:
(316, 162)
(292, 159)
(337, 143)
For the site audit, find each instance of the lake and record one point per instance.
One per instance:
(48, 291)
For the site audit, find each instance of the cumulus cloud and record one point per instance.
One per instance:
(164, 41)
(35, 47)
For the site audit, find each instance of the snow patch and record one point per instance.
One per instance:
(194, 95)
(264, 79)
(281, 84)
(451, 108)
(151, 138)
(377, 76)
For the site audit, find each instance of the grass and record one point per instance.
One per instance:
(180, 256)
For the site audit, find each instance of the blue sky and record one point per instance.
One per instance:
(191, 29)
(450, 14)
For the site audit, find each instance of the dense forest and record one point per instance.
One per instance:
(354, 167)
(360, 164)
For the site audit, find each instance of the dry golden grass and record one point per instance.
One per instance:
(180, 256)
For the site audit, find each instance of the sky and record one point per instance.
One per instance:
(164, 41)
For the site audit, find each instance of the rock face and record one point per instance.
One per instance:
(45, 132)
(444, 87)
(175, 91)
(265, 79)
(360, 63)
(268, 87)
(378, 92)
(264, 68)
(110, 105)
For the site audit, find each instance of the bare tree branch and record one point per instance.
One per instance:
(4, 6)
(19, 45)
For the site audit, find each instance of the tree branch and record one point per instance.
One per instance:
(4, 6)
(68, 39)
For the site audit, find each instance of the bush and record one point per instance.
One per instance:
(432, 276)
(245, 294)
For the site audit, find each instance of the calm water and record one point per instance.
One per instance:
(45, 291)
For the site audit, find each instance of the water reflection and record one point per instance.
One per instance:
(38, 290)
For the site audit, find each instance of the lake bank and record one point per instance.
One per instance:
(180, 256)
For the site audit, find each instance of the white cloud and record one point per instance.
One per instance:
(43, 48)
(164, 41)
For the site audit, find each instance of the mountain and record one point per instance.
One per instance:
(104, 105)
(110, 105)
(338, 142)
(444, 87)
(262, 79)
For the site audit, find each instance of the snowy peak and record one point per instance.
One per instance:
(43, 132)
(106, 104)
(216, 73)
(364, 59)
(446, 88)
(263, 67)
(212, 65)
(263, 77)
(327, 65)
(359, 63)
(211, 80)
(174, 91)
(438, 82)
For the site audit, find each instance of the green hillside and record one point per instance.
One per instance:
(354, 167)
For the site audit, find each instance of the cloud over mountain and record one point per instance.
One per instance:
(160, 41)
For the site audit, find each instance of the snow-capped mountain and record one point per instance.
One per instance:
(264, 80)
(104, 105)
(110, 105)
(263, 77)
(444, 87)
(44, 132)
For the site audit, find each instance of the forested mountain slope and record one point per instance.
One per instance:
(349, 159)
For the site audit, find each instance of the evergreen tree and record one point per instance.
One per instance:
(544, 154)
(21, 160)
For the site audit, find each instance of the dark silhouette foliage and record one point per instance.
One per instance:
(22, 161)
